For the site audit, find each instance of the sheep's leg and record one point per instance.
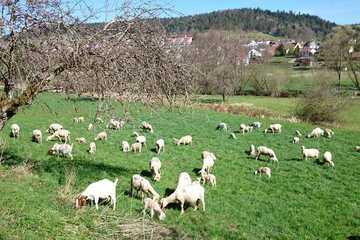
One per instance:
(182, 208)
(113, 199)
(203, 203)
(96, 199)
(257, 156)
(152, 212)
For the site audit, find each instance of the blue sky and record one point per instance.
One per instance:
(338, 11)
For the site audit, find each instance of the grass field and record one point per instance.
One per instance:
(302, 200)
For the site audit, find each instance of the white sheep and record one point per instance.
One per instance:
(274, 128)
(92, 148)
(90, 127)
(143, 185)
(15, 130)
(102, 189)
(154, 207)
(160, 145)
(316, 133)
(205, 154)
(263, 170)
(101, 136)
(245, 128)
(155, 166)
(61, 135)
(185, 140)
(141, 139)
(208, 178)
(295, 140)
(146, 126)
(80, 140)
(262, 150)
(37, 136)
(62, 150)
(256, 124)
(54, 127)
(125, 146)
(208, 163)
(193, 194)
(310, 153)
(115, 124)
(136, 147)
(328, 133)
(328, 158)
(222, 126)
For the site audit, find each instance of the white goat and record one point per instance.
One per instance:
(62, 150)
(92, 148)
(263, 170)
(208, 178)
(155, 166)
(102, 189)
(261, 150)
(141, 184)
(101, 136)
(54, 127)
(146, 126)
(37, 136)
(316, 133)
(256, 124)
(274, 128)
(136, 147)
(141, 139)
(115, 124)
(61, 135)
(245, 128)
(205, 154)
(328, 158)
(208, 163)
(160, 145)
(185, 140)
(154, 207)
(125, 146)
(310, 153)
(15, 130)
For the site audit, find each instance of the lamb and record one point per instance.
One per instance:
(252, 151)
(154, 207)
(54, 127)
(208, 163)
(160, 145)
(92, 148)
(274, 128)
(310, 153)
(62, 150)
(261, 150)
(61, 135)
(81, 140)
(205, 154)
(155, 166)
(298, 133)
(90, 127)
(125, 146)
(222, 126)
(146, 126)
(208, 178)
(192, 194)
(245, 128)
(102, 189)
(37, 136)
(328, 158)
(185, 140)
(15, 130)
(141, 140)
(101, 136)
(256, 124)
(141, 184)
(78, 119)
(328, 133)
(316, 133)
(136, 147)
(296, 140)
(115, 124)
(263, 170)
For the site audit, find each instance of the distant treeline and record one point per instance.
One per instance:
(280, 23)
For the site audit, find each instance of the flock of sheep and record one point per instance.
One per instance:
(187, 191)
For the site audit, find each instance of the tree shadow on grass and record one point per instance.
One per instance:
(208, 100)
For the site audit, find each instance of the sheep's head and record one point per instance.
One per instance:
(80, 201)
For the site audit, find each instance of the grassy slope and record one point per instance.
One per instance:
(303, 200)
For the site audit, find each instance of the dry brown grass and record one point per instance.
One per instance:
(237, 109)
(23, 170)
(65, 193)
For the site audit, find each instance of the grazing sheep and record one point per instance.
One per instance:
(232, 135)
(78, 119)
(61, 135)
(261, 150)
(296, 140)
(80, 140)
(101, 136)
(357, 148)
(316, 133)
(115, 124)
(146, 126)
(136, 147)
(252, 151)
(125, 146)
(15, 130)
(155, 166)
(99, 120)
(102, 189)
(54, 127)
(90, 127)
(245, 128)
(208, 178)
(328, 133)
(205, 154)
(298, 133)
(208, 163)
(193, 194)
(154, 207)
(274, 128)
(328, 158)
(62, 150)
(185, 140)
(92, 148)
(310, 153)
(141, 184)
(263, 170)
(141, 140)
(37, 136)
(256, 124)
(222, 126)
(160, 145)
